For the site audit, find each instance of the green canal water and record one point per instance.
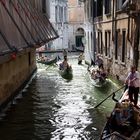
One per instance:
(53, 108)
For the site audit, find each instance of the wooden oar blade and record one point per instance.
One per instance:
(109, 96)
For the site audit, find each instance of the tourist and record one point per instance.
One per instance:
(64, 65)
(99, 62)
(80, 58)
(133, 82)
(64, 53)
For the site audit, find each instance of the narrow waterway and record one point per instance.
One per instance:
(52, 108)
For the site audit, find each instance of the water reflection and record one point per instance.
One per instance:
(57, 109)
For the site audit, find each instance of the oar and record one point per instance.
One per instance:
(49, 66)
(109, 96)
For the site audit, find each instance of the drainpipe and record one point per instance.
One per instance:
(139, 43)
(136, 45)
(113, 22)
(128, 24)
(94, 33)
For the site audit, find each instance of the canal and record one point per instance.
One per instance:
(52, 108)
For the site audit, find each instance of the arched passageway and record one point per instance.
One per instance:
(78, 37)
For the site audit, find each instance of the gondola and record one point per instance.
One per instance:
(66, 73)
(97, 81)
(130, 130)
(48, 62)
(80, 59)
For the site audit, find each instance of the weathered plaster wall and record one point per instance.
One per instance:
(76, 20)
(115, 67)
(14, 72)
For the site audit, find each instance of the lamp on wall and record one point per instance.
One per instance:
(13, 55)
(14, 52)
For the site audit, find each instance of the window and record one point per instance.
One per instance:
(79, 2)
(116, 45)
(91, 41)
(95, 42)
(94, 9)
(123, 45)
(91, 8)
(107, 43)
(107, 6)
(56, 11)
(100, 44)
(65, 14)
(88, 41)
(60, 14)
(43, 6)
(99, 7)
(119, 4)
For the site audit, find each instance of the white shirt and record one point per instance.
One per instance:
(136, 81)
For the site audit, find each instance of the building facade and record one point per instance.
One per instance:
(24, 27)
(76, 27)
(89, 31)
(116, 34)
(59, 19)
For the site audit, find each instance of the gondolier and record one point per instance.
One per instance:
(64, 53)
(124, 121)
(64, 65)
(133, 82)
(65, 69)
(99, 62)
(80, 58)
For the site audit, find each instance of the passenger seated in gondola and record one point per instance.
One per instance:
(137, 117)
(99, 62)
(46, 58)
(80, 58)
(93, 74)
(97, 74)
(42, 58)
(64, 65)
(103, 73)
(121, 119)
(131, 113)
(61, 66)
(127, 111)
